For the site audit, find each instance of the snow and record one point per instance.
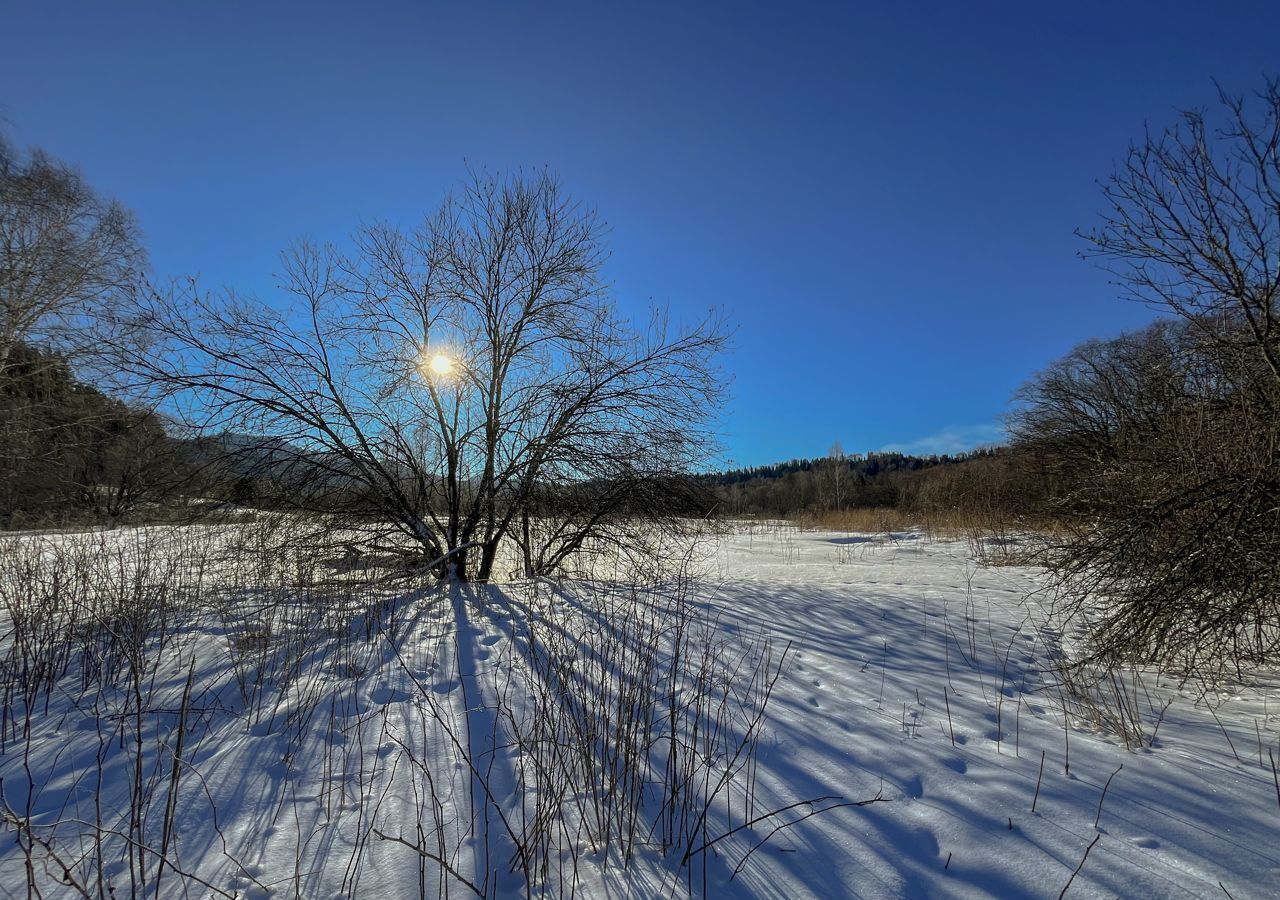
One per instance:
(1181, 819)
(324, 732)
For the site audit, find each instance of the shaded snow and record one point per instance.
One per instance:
(915, 678)
(895, 631)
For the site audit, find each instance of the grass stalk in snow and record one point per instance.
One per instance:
(1067, 886)
(1039, 779)
(1098, 816)
(1275, 774)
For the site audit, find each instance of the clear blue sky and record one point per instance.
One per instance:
(881, 195)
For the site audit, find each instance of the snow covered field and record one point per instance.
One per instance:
(887, 634)
(279, 732)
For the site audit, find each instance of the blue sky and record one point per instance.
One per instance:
(882, 197)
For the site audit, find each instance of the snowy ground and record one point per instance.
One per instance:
(887, 633)
(324, 743)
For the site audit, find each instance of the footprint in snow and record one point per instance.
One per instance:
(814, 702)
(384, 694)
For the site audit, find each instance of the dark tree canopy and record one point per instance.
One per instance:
(70, 453)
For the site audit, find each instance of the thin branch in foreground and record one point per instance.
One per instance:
(1096, 838)
(878, 798)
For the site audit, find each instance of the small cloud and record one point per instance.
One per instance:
(952, 439)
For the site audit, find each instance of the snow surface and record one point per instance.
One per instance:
(880, 634)
(915, 679)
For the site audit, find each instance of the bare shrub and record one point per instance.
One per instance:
(1165, 439)
(616, 719)
(1171, 516)
(100, 620)
(863, 519)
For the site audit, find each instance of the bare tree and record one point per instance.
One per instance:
(70, 265)
(464, 382)
(68, 257)
(837, 475)
(1166, 438)
(1168, 497)
(1194, 223)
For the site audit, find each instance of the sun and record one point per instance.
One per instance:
(441, 364)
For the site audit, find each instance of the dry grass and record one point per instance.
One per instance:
(994, 538)
(959, 524)
(620, 720)
(868, 519)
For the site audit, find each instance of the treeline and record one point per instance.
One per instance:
(860, 465)
(1001, 489)
(71, 454)
(834, 482)
(68, 452)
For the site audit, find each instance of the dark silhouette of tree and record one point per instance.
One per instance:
(466, 382)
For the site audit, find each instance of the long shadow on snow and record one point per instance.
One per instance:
(577, 692)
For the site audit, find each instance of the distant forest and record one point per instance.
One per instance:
(991, 482)
(71, 454)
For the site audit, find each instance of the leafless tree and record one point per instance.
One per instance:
(837, 475)
(1168, 499)
(70, 266)
(1166, 439)
(465, 382)
(68, 257)
(1193, 224)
